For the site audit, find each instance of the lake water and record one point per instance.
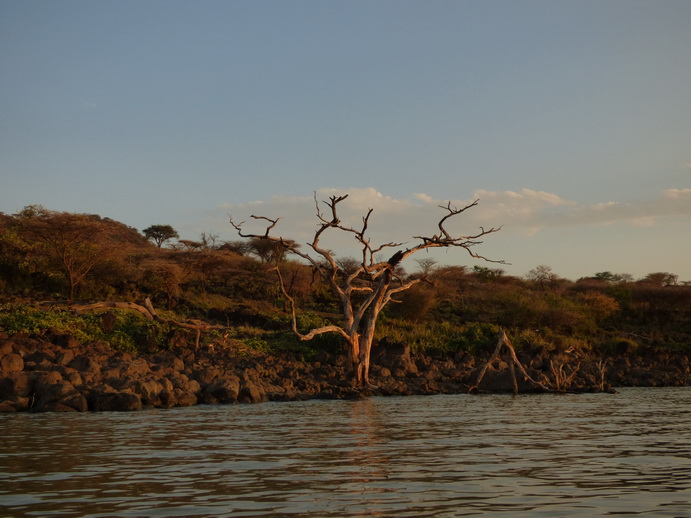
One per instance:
(535, 455)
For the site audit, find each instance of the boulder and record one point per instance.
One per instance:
(223, 390)
(251, 392)
(21, 404)
(86, 364)
(15, 385)
(167, 399)
(148, 389)
(7, 347)
(54, 407)
(137, 367)
(114, 401)
(65, 340)
(11, 363)
(40, 357)
(76, 401)
(178, 380)
(433, 374)
(54, 392)
(194, 387)
(499, 381)
(72, 376)
(185, 397)
(6, 407)
(206, 375)
(46, 378)
(65, 357)
(167, 359)
(395, 356)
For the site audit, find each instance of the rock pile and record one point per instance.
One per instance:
(56, 373)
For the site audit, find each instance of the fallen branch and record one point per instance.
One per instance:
(88, 308)
(504, 342)
(150, 313)
(562, 380)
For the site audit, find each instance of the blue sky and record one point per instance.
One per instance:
(570, 121)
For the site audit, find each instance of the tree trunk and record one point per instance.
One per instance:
(362, 372)
(73, 286)
(366, 340)
(354, 355)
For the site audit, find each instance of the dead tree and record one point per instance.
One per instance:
(365, 290)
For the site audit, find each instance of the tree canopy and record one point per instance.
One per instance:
(159, 234)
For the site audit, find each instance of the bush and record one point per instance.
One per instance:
(131, 331)
(443, 338)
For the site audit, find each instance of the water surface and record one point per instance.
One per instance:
(538, 455)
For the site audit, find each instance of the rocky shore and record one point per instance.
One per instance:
(56, 373)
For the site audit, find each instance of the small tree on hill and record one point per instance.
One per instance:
(661, 279)
(365, 290)
(271, 252)
(159, 234)
(71, 243)
(543, 276)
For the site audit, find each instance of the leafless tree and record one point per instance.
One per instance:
(364, 291)
(543, 276)
(427, 265)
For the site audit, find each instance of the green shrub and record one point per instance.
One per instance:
(530, 340)
(131, 331)
(439, 337)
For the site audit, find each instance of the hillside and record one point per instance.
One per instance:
(225, 296)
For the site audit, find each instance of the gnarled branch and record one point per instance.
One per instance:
(313, 332)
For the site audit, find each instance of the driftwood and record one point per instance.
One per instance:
(88, 308)
(150, 313)
(562, 380)
(504, 342)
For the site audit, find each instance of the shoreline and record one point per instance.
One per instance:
(56, 373)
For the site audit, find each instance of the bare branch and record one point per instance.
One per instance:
(444, 239)
(313, 332)
(236, 226)
(453, 212)
(272, 222)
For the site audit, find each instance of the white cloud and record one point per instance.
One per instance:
(525, 195)
(392, 219)
(425, 198)
(678, 193)
(525, 212)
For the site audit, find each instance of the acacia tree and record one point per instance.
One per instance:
(543, 276)
(270, 252)
(159, 234)
(364, 290)
(71, 243)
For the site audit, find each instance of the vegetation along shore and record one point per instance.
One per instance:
(95, 315)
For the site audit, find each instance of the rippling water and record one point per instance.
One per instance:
(537, 455)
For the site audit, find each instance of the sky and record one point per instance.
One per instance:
(570, 122)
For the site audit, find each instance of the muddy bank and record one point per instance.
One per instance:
(56, 373)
